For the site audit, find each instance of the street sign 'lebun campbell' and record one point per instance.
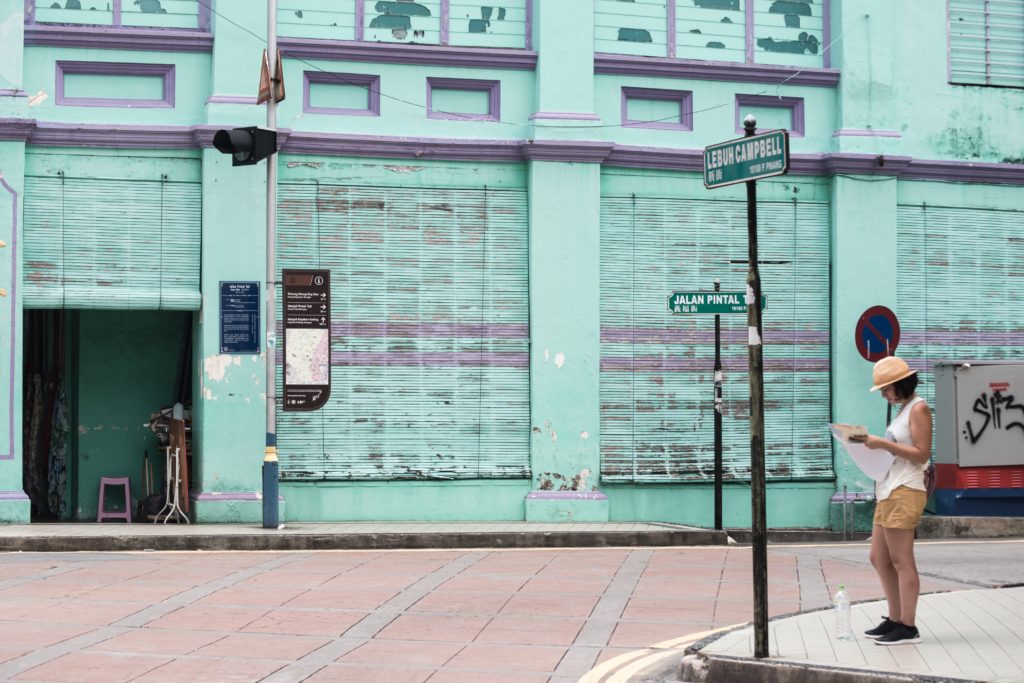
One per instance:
(737, 161)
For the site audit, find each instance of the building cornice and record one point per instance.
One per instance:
(50, 134)
(102, 38)
(387, 53)
(662, 67)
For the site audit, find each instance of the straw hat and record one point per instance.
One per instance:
(888, 370)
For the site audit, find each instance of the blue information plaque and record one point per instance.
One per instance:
(239, 317)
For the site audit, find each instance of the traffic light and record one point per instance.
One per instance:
(246, 145)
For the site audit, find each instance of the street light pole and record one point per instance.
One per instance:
(270, 465)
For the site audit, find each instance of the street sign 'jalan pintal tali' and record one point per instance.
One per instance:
(737, 161)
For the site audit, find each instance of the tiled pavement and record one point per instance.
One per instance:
(432, 615)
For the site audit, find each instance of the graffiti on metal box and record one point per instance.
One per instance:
(993, 410)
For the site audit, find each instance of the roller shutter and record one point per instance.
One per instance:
(429, 332)
(960, 286)
(657, 415)
(115, 244)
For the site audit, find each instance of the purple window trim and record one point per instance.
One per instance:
(202, 18)
(370, 82)
(670, 40)
(399, 53)
(795, 105)
(492, 88)
(683, 97)
(165, 71)
(564, 116)
(528, 38)
(866, 133)
(360, 19)
(748, 28)
(12, 495)
(106, 38)
(230, 99)
(662, 67)
(826, 33)
(445, 20)
(12, 297)
(11, 92)
(217, 496)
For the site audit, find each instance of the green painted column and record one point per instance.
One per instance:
(565, 348)
(14, 504)
(864, 269)
(563, 35)
(230, 414)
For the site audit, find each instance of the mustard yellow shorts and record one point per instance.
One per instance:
(902, 509)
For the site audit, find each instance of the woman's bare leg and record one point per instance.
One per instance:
(886, 570)
(900, 544)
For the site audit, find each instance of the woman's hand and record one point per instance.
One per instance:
(871, 441)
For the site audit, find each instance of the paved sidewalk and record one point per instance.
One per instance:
(972, 635)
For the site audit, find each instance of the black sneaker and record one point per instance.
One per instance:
(900, 635)
(883, 628)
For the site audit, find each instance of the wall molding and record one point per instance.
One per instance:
(369, 82)
(104, 38)
(165, 72)
(663, 67)
(795, 106)
(398, 53)
(684, 98)
(454, 149)
(492, 89)
(12, 299)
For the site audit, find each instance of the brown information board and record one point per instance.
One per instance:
(307, 339)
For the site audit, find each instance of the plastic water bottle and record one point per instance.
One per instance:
(842, 608)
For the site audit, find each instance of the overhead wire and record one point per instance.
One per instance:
(675, 117)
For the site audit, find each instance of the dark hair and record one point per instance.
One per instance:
(905, 387)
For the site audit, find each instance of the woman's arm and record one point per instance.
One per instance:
(920, 432)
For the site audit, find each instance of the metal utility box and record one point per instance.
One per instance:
(979, 438)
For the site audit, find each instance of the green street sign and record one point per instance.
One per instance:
(710, 302)
(737, 161)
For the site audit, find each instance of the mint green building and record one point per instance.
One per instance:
(504, 196)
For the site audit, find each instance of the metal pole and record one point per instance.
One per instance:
(270, 466)
(718, 417)
(757, 474)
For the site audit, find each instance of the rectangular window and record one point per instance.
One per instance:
(772, 113)
(338, 93)
(791, 33)
(115, 84)
(463, 99)
(654, 108)
(173, 14)
(986, 42)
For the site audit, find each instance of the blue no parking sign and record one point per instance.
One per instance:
(877, 333)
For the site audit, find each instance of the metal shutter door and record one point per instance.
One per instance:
(115, 244)
(657, 369)
(429, 333)
(960, 287)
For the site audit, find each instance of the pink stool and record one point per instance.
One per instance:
(103, 514)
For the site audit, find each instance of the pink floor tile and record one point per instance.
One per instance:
(206, 670)
(339, 598)
(462, 602)
(208, 618)
(157, 642)
(410, 653)
(249, 596)
(148, 591)
(86, 612)
(641, 634)
(349, 673)
(582, 584)
(483, 583)
(508, 657)
(304, 622)
(9, 653)
(93, 667)
(462, 629)
(551, 604)
(34, 636)
(669, 609)
(531, 630)
(262, 645)
(487, 677)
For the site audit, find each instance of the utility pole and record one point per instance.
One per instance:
(271, 517)
(758, 518)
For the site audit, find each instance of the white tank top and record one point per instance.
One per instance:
(902, 472)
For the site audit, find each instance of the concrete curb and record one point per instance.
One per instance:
(282, 540)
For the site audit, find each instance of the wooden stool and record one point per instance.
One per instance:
(102, 512)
